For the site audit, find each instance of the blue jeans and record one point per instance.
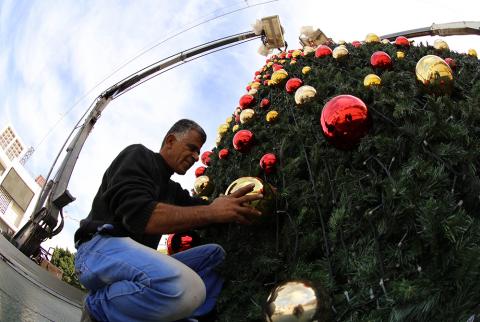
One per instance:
(128, 281)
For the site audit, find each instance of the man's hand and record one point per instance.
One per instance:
(235, 207)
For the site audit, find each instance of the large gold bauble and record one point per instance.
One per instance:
(440, 44)
(340, 52)
(278, 77)
(264, 205)
(371, 80)
(435, 75)
(372, 38)
(272, 116)
(305, 94)
(296, 53)
(247, 115)
(203, 186)
(293, 301)
(472, 52)
(222, 129)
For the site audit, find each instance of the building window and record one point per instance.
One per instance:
(14, 150)
(5, 200)
(6, 137)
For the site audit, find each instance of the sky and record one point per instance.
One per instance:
(56, 57)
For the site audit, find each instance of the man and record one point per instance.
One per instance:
(137, 202)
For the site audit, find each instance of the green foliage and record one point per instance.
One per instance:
(65, 260)
(390, 229)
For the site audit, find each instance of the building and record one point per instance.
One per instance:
(18, 190)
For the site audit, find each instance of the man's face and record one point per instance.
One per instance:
(185, 150)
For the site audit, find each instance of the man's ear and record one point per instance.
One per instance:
(170, 140)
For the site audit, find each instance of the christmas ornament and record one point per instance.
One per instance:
(247, 115)
(371, 80)
(356, 44)
(243, 140)
(451, 62)
(265, 103)
(266, 76)
(222, 129)
(385, 41)
(268, 162)
(223, 153)
(218, 139)
(264, 205)
(342, 42)
(402, 41)
(200, 171)
(235, 128)
(293, 62)
(276, 67)
(254, 85)
(440, 45)
(381, 60)
(306, 70)
(472, 52)
(203, 186)
(248, 88)
(229, 120)
(345, 121)
(269, 64)
(372, 38)
(305, 94)
(246, 101)
(340, 52)
(272, 116)
(323, 51)
(293, 84)
(293, 301)
(296, 53)
(206, 157)
(179, 242)
(435, 75)
(278, 77)
(252, 92)
(307, 50)
(400, 55)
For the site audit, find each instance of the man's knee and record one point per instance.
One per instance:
(194, 293)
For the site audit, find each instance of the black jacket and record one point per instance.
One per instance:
(131, 187)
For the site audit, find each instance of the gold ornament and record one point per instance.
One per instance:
(235, 128)
(340, 52)
(372, 38)
(229, 120)
(278, 77)
(306, 70)
(203, 186)
(252, 91)
(264, 205)
(296, 53)
(282, 61)
(440, 44)
(222, 129)
(400, 55)
(269, 64)
(342, 42)
(272, 116)
(247, 115)
(255, 85)
(371, 80)
(307, 50)
(293, 62)
(435, 74)
(472, 52)
(218, 139)
(305, 94)
(293, 301)
(385, 41)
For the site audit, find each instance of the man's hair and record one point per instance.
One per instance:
(183, 126)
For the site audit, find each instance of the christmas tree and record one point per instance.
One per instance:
(372, 152)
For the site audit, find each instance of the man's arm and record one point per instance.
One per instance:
(168, 218)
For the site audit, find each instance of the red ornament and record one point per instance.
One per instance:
(243, 140)
(200, 171)
(265, 82)
(268, 162)
(237, 118)
(282, 55)
(265, 103)
(345, 121)
(323, 51)
(206, 157)
(356, 44)
(402, 41)
(289, 55)
(451, 62)
(266, 76)
(276, 67)
(179, 242)
(380, 59)
(223, 154)
(293, 84)
(248, 88)
(246, 101)
(257, 73)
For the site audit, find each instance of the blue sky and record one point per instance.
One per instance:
(54, 53)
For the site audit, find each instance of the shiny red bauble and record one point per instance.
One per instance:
(345, 120)
(323, 51)
(451, 62)
(243, 140)
(276, 67)
(223, 153)
(356, 44)
(381, 59)
(206, 157)
(182, 241)
(200, 171)
(402, 41)
(265, 103)
(246, 101)
(293, 84)
(268, 162)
